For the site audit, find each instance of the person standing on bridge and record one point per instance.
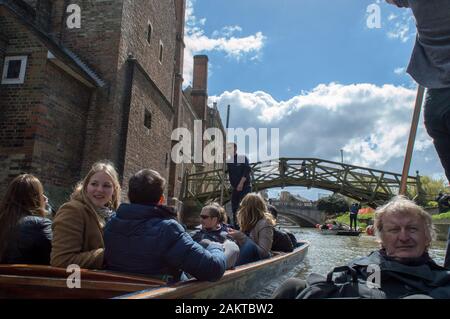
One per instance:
(430, 67)
(239, 176)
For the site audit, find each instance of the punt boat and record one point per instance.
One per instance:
(45, 282)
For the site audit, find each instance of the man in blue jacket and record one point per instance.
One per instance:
(239, 175)
(430, 67)
(145, 237)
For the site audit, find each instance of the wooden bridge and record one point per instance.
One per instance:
(366, 185)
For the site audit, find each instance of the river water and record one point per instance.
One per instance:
(327, 252)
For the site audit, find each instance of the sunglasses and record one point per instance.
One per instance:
(206, 216)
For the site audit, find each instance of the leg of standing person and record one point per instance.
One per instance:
(235, 200)
(437, 123)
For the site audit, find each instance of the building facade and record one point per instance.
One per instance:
(108, 89)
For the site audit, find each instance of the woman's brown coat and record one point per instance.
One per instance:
(77, 237)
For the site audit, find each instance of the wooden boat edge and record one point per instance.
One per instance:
(192, 286)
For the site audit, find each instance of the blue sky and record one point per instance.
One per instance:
(315, 70)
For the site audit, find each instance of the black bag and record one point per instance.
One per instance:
(320, 287)
(282, 241)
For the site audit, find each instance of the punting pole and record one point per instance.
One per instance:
(412, 138)
(225, 157)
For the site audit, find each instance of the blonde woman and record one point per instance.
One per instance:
(78, 225)
(256, 224)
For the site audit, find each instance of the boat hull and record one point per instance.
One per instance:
(242, 282)
(44, 282)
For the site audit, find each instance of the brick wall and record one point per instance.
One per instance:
(187, 117)
(161, 14)
(42, 123)
(147, 148)
(97, 44)
(19, 104)
(58, 152)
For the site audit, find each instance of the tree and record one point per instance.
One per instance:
(431, 187)
(333, 204)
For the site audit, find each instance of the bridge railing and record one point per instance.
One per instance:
(366, 185)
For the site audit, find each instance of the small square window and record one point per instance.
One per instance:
(161, 52)
(14, 69)
(148, 119)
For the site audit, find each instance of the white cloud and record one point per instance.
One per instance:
(401, 27)
(370, 123)
(223, 41)
(400, 71)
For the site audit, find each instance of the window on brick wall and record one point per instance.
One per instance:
(14, 69)
(161, 52)
(149, 32)
(148, 119)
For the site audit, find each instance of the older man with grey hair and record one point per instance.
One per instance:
(401, 268)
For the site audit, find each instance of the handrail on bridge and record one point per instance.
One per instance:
(367, 185)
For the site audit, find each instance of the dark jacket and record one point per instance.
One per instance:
(399, 280)
(30, 243)
(218, 235)
(237, 169)
(430, 59)
(419, 276)
(148, 240)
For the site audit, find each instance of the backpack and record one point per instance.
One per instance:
(282, 241)
(348, 287)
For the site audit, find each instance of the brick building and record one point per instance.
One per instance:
(111, 89)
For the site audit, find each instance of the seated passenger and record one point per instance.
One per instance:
(78, 225)
(213, 219)
(283, 240)
(145, 237)
(25, 234)
(256, 224)
(403, 268)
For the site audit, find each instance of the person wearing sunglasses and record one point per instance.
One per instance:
(213, 220)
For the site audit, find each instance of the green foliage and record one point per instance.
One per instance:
(442, 216)
(432, 204)
(333, 204)
(431, 187)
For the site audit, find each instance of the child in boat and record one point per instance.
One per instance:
(213, 220)
(78, 225)
(256, 224)
(145, 237)
(25, 233)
